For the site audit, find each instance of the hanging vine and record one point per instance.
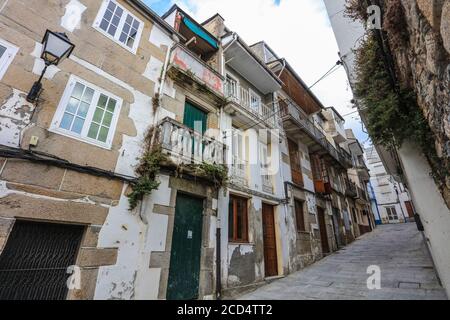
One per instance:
(392, 115)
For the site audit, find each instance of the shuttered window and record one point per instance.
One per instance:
(237, 220)
(299, 216)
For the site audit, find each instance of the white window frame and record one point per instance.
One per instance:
(116, 37)
(238, 86)
(253, 94)
(7, 57)
(55, 125)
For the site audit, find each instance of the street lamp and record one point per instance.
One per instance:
(55, 47)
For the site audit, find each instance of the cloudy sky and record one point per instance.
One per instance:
(298, 30)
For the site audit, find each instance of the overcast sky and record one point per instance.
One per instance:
(298, 30)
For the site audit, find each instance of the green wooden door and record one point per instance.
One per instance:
(184, 269)
(193, 114)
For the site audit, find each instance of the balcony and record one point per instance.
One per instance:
(188, 69)
(185, 146)
(238, 172)
(335, 125)
(322, 187)
(350, 189)
(267, 186)
(243, 101)
(297, 123)
(362, 196)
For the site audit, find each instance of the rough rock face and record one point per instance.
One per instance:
(421, 49)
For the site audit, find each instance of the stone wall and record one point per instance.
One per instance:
(420, 42)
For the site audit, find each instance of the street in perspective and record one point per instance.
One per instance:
(224, 151)
(397, 252)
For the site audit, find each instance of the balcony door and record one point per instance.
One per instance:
(296, 169)
(195, 118)
(237, 153)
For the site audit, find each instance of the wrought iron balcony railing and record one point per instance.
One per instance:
(291, 110)
(242, 97)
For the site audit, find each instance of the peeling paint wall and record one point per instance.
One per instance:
(15, 115)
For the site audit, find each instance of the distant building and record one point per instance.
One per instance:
(392, 199)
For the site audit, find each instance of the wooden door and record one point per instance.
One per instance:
(270, 243)
(194, 116)
(409, 208)
(296, 169)
(184, 272)
(323, 230)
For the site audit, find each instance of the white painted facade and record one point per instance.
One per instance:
(390, 195)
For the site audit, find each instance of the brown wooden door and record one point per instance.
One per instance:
(296, 169)
(270, 244)
(323, 230)
(409, 208)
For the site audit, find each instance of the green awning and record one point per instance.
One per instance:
(200, 32)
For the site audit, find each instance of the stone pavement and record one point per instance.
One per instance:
(399, 250)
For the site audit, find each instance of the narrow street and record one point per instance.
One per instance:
(406, 271)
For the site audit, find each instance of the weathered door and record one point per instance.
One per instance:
(34, 262)
(323, 230)
(194, 116)
(296, 169)
(337, 227)
(270, 243)
(184, 269)
(410, 209)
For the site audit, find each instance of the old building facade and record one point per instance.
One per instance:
(71, 161)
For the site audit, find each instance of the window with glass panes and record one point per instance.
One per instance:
(87, 112)
(119, 24)
(7, 54)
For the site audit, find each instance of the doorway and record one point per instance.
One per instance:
(270, 243)
(323, 230)
(34, 262)
(184, 272)
(410, 209)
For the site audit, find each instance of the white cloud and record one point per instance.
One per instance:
(298, 30)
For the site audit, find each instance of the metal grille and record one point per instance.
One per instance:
(34, 261)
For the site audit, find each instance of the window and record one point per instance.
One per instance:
(120, 25)
(232, 88)
(238, 151)
(7, 54)
(265, 166)
(295, 160)
(237, 220)
(87, 113)
(299, 216)
(392, 213)
(255, 102)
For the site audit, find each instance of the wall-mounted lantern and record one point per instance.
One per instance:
(55, 47)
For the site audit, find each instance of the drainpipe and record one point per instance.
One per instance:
(161, 85)
(218, 265)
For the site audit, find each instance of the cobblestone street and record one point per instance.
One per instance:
(406, 271)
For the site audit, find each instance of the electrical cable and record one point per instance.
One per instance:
(337, 65)
(45, 158)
